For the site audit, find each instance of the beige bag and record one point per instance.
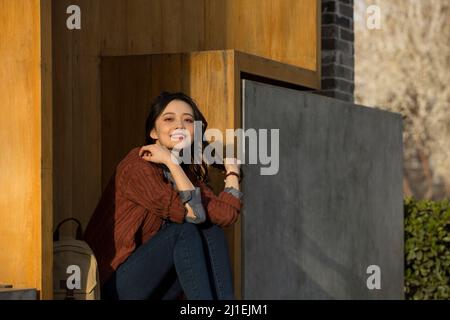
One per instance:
(75, 271)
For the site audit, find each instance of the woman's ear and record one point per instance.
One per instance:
(153, 134)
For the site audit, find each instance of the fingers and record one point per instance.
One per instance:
(146, 155)
(145, 150)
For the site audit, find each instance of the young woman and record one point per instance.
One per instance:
(157, 230)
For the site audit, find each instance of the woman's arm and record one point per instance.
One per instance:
(231, 182)
(179, 176)
(223, 209)
(160, 154)
(182, 183)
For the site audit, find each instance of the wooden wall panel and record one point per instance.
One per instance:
(46, 150)
(155, 26)
(77, 135)
(283, 30)
(124, 109)
(25, 163)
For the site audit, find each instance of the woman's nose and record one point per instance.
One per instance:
(180, 125)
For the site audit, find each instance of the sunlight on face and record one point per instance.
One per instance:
(175, 126)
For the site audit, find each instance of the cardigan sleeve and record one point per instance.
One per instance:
(223, 209)
(144, 186)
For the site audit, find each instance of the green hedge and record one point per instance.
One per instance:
(427, 249)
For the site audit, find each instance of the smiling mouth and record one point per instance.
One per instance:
(177, 137)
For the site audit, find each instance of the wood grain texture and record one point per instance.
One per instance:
(25, 164)
(46, 291)
(284, 31)
(77, 135)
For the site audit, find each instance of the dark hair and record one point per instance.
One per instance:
(199, 171)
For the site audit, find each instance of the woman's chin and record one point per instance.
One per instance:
(179, 145)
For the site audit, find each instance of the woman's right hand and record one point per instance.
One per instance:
(156, 153)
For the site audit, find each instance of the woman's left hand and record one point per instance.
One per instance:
(155, 153)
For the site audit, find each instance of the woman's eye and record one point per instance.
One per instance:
(189, 120)
(167, 119)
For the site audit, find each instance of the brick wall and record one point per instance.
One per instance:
(338, 49)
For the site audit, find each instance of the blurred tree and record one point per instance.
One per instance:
(404, 67)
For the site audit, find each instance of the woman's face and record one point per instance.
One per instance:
(175, 126)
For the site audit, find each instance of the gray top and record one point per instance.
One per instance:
(194, 198)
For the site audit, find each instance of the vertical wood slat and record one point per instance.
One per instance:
(46, 291)
(26, 145)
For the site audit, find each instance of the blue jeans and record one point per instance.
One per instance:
(180, 257)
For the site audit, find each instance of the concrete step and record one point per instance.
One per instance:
(17, 294)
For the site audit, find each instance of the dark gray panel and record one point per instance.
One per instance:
(334, 207)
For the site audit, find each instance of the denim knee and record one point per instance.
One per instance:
(185, 228)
